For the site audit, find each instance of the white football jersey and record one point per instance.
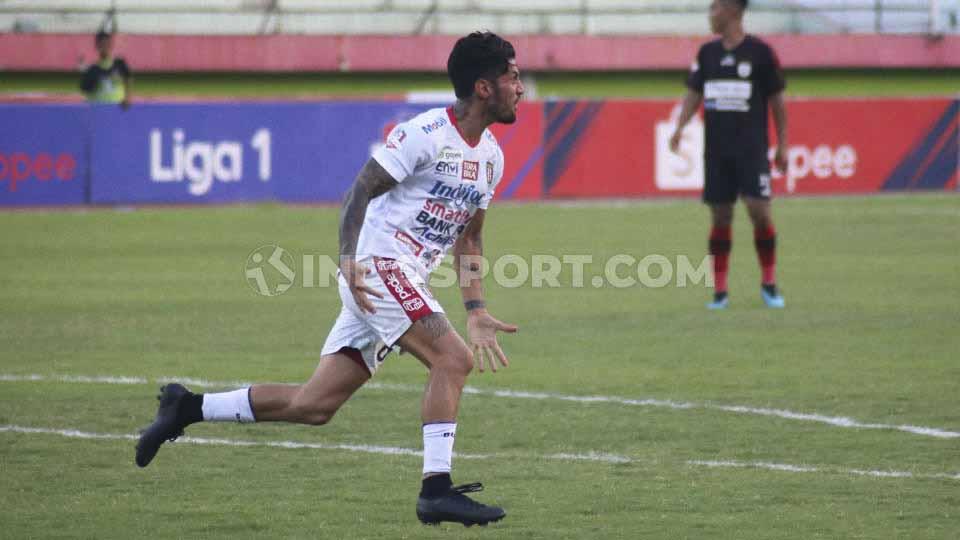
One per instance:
(442, 182)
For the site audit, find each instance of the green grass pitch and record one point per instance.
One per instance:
(869, 334)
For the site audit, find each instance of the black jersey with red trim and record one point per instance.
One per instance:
(736, 86)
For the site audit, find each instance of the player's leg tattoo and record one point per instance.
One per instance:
(436, 325)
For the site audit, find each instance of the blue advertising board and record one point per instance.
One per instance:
(229, 152)
(43, 155)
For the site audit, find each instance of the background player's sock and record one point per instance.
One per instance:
(765, 240)
(720, 245)
(438, 447)
(231, 406)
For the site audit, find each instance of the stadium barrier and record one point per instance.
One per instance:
(73, 154)
(378, 53)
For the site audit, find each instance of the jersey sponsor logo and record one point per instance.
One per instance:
(744, 69)
(489, 173)
(471, 170)
(405, 239)
(439, 210)
(433, 126)
(459, 195)
(447, 168)
(450, 154)
(413, 304)
(727, 95)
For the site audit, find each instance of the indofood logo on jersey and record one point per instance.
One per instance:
(459, 195)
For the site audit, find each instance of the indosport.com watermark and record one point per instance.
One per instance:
(271, 270)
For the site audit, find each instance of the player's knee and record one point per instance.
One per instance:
(458, 363)
(315, 413)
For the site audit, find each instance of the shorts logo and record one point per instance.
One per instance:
(386, 264)
(405, 239)
(489, 173)
(413, 304)
(744, 69)
(471, 170)
(401, 289)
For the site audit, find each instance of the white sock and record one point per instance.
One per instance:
(228, 406)
(438, 447)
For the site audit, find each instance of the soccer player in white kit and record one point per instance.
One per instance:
(424, 192)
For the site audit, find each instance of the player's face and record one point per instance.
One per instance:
(105, 46)
(506, 94)
(722, 12)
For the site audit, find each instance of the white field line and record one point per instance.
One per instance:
(397, 451)
(836, 421)
(820, 469)
(293, 445)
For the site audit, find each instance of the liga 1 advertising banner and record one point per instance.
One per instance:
(621, 148)
(43, 155)
(234, 152)
(246, 152)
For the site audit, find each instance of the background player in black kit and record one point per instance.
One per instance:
(737, 77)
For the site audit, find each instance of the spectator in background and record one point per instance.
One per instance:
(108, 79)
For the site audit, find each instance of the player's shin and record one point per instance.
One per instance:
(765, 240)
(720, 245)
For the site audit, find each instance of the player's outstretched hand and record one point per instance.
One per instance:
(482, 331)
(355, 274)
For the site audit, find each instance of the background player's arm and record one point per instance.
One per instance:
(372, 182)
(481, 326)
(780, 123)
(691, 104)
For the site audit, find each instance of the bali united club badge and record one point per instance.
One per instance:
(489, 173)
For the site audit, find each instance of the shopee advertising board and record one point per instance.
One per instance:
(621, 148)
(43, 155)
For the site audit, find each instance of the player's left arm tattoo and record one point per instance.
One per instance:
(779, 117)
(372, 181)
(467, 260)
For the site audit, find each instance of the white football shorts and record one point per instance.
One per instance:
(406, 299)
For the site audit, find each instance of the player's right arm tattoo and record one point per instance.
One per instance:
(372, 181)
(436, 325)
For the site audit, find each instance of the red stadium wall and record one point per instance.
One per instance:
(284, 53)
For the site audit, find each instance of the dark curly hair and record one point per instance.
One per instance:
(480, 55)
